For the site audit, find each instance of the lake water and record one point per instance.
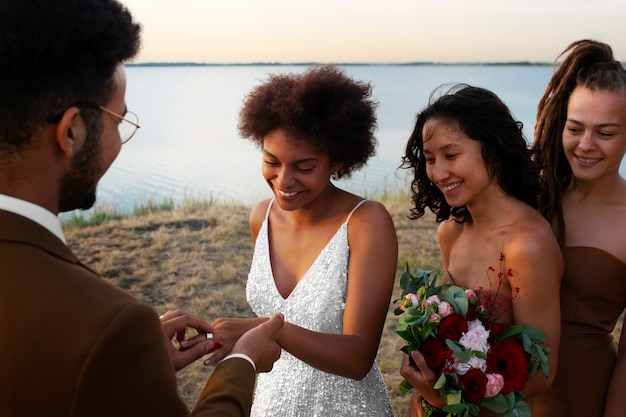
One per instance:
(188, 144)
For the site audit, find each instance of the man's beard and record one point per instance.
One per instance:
(78, 185)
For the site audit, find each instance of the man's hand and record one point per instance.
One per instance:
(185, 350)
(259, 344)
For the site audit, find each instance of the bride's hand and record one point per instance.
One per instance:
(226, 332)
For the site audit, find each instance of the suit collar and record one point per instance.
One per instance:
(34, 212)
(19, 229)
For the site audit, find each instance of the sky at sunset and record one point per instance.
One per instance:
(381, 31)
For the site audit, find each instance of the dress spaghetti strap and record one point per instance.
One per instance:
(269, 206)
(354, 209)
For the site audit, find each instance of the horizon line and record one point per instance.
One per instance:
(305, 63)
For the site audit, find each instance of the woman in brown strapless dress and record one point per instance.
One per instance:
(581, 139)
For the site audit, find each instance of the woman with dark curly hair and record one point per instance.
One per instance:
(580, 138)
(324, 257)
(472, 168)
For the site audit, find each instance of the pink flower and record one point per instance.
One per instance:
(470, 294)
(495, 382)
(444, 309)
(410, 300)
(433, 299)
(434, 318)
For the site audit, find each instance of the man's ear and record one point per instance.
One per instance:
(70, 132)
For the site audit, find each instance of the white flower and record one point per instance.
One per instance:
(474, 362)
(476, 337)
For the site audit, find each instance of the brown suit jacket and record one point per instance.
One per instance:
(71, 344)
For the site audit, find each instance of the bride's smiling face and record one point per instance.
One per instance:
(454, 163)
(294, 169)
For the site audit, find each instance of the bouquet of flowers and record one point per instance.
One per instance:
(480, 361)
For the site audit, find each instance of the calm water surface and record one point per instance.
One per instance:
(188, 144)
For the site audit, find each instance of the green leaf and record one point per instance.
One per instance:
(465, 356)
(520, 409)
(510, 400)
(406, 333)
(479, 354)
(535, 334)
(457, 299)
(453, 398)
(543, 361)
(408, 349)
(474, 410)
(527, 342)
(441, 382)
(456, 348)
(497, 404)
(511, 331)
(458, 409)
(405, 386)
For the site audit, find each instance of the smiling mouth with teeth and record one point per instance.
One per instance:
(588, 160)
(450, 187)
(286, 194)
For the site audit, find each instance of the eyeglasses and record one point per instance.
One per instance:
(129, 123)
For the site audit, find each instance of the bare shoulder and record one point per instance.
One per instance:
(257, 215)
(371, 209)
(448, 231)
(531, 241)
(371, 217)
(533, 231)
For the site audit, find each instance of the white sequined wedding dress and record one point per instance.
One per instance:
(293, 388)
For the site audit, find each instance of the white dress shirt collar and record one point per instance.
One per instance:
(33, 212)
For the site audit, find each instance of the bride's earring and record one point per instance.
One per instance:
(334, 176)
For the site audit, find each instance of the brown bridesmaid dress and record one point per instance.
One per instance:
(593, 295)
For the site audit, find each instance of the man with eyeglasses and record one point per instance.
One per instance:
(71, 344)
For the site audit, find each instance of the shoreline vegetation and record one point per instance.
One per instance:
(195, 255)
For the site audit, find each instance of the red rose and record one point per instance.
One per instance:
(452, 327)
(435, 353)
(495, 330)
(509, 360)
(474, 384)
(471, 312)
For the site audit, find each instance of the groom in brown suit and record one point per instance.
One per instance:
(70, 343)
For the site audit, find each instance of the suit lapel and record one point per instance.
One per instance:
(21, 230)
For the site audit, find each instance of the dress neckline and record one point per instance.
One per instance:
(315, 261)
(595, 249)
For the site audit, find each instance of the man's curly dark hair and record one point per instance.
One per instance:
(54, 54)
(482, 116)
(322, 105)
